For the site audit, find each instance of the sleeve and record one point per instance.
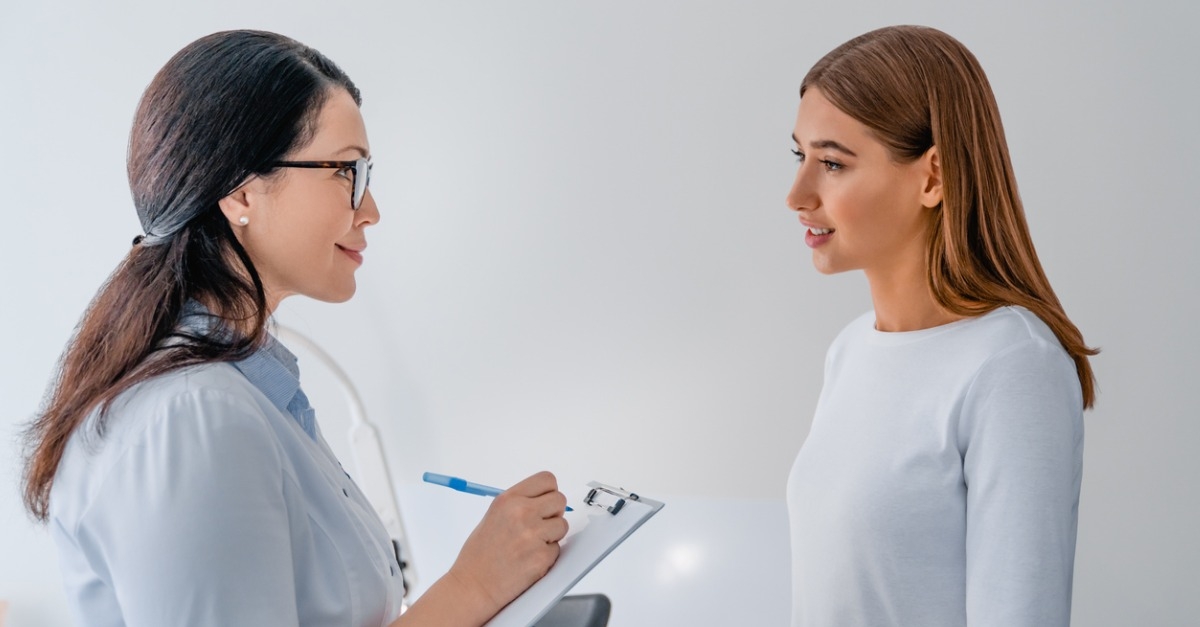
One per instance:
(1022, 434)
(191, 524)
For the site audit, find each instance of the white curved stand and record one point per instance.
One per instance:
(369, 461)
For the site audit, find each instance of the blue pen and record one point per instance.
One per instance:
(462, 485)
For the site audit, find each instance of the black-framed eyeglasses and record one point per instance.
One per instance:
(360, 170)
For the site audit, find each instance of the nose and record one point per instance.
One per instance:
(368, 211)
(803, 194)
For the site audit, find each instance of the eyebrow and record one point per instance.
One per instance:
(362, 151)
(827, 143)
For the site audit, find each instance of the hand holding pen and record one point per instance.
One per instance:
(516, 543)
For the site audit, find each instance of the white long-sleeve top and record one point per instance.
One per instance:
(939, 484)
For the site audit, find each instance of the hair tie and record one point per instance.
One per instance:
(150, 239)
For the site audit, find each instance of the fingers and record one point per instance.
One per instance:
(536, 485)
(537, 503)
(540, 517)
(554, 529)
(541, 489)
(549, 505)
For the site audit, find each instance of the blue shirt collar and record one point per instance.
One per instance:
(273, 369)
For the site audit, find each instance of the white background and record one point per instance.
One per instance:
(585, 263)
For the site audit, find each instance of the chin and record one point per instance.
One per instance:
(825, 267)
(826, 270)
(339, 294)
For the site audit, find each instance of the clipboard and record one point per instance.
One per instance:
(609, 515)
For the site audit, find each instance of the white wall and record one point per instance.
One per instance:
(585, 263)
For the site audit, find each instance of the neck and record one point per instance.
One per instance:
(244, 327)
(273, 300)
(903, 300)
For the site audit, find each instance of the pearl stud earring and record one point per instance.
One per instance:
(243, 220)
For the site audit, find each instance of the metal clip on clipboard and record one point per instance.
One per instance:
(608, 498)
(618, 514)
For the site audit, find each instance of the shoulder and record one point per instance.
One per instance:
(967, 341)
(1006, 337)
(1013, 324)
(213, 380)
(1014, 338)
(175, 425)
(1027, 381)
(211, 398)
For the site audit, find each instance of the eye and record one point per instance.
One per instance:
(799, 155)
(832, 166)
(346, 172)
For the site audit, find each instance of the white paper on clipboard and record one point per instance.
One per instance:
(612, 514)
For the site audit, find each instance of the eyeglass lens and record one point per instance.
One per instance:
(362, 178)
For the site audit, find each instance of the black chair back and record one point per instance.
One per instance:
(578, 610)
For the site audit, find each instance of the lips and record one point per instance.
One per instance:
(817, 229)
(354, 254)
(817, 235)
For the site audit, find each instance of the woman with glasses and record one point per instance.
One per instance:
(176, 459)
(939, 484)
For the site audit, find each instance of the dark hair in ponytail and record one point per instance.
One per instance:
(221, 110)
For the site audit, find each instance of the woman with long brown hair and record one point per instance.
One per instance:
(177, 461)
(939, 484)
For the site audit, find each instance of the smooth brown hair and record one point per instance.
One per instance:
(916, 87)
(224, 108)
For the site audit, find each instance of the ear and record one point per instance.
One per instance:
(238, 204)
(931, 193)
